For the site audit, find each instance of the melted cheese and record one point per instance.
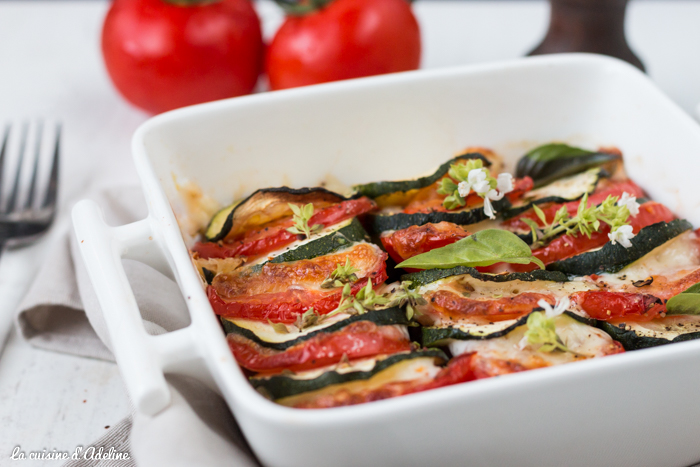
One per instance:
(673, 259)
(570, 188)
(584, 341)
(266, 333)
(668, 328)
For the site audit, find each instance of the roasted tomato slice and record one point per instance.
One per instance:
(459, 370)
(274, 236)
(609, 306)
(358, 340)
(281, 291)
(454, 306)
(406, 243)
(566, 246)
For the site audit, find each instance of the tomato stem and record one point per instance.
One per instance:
(301, 7)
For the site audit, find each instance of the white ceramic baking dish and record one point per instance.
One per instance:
(638, 409)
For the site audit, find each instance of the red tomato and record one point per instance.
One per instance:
(271, 238)
(285, 307)
(414, 240)
(342, 40)
(618, 305)
(162, 55)
(453, 305)
(358, 340)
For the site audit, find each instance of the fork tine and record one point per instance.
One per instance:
(37, 156)
(15, 189)
(5, 139)
(50, 198)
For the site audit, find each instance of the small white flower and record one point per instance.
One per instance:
(482, 187)
(476, 175)
(622, 235)
(631, 202)
(464, 188)
(560, 307)
(494, 195)
(505, 183)
(488, 207)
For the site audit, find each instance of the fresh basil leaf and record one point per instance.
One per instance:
(551, 162)
(484, 248)
(685, 303)
(550, 152)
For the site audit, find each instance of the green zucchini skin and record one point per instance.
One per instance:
(568, 161)
(435, 336)
(338, 240)
(630, 340)
(377, 189)
(279, 386)
(379, 223)
(431, 275)
(611, 258)
(228, 223)
(386, 317)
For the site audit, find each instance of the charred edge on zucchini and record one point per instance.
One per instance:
(612, 258)
(277, 387)
(338, 240)
(630, 340)
(431, 275)
(437, 336)
(222, 222)
(208, 275)
(387, 317)
(560, 161)
(377, 189)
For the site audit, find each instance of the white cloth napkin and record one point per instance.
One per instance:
(61, 313)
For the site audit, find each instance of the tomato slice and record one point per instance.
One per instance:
(567, 246)
(274, 236)
(607, 306)
(598, 196)
(458, 370)
(414, 240)
(358, 340)
(454, 306)
(285, 307)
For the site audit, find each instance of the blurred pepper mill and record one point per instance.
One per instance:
(596, 26)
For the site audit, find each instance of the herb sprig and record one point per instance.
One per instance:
(342, 275)
(301, 218)
(587, 220)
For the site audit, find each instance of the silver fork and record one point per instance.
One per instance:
(27, 209)
(23, 218)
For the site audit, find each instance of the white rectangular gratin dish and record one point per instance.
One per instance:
(635, 409)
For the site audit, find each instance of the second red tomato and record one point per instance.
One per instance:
(342, 40)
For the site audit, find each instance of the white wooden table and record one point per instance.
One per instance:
(50, 66)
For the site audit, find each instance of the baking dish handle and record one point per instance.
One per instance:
(141, 357)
